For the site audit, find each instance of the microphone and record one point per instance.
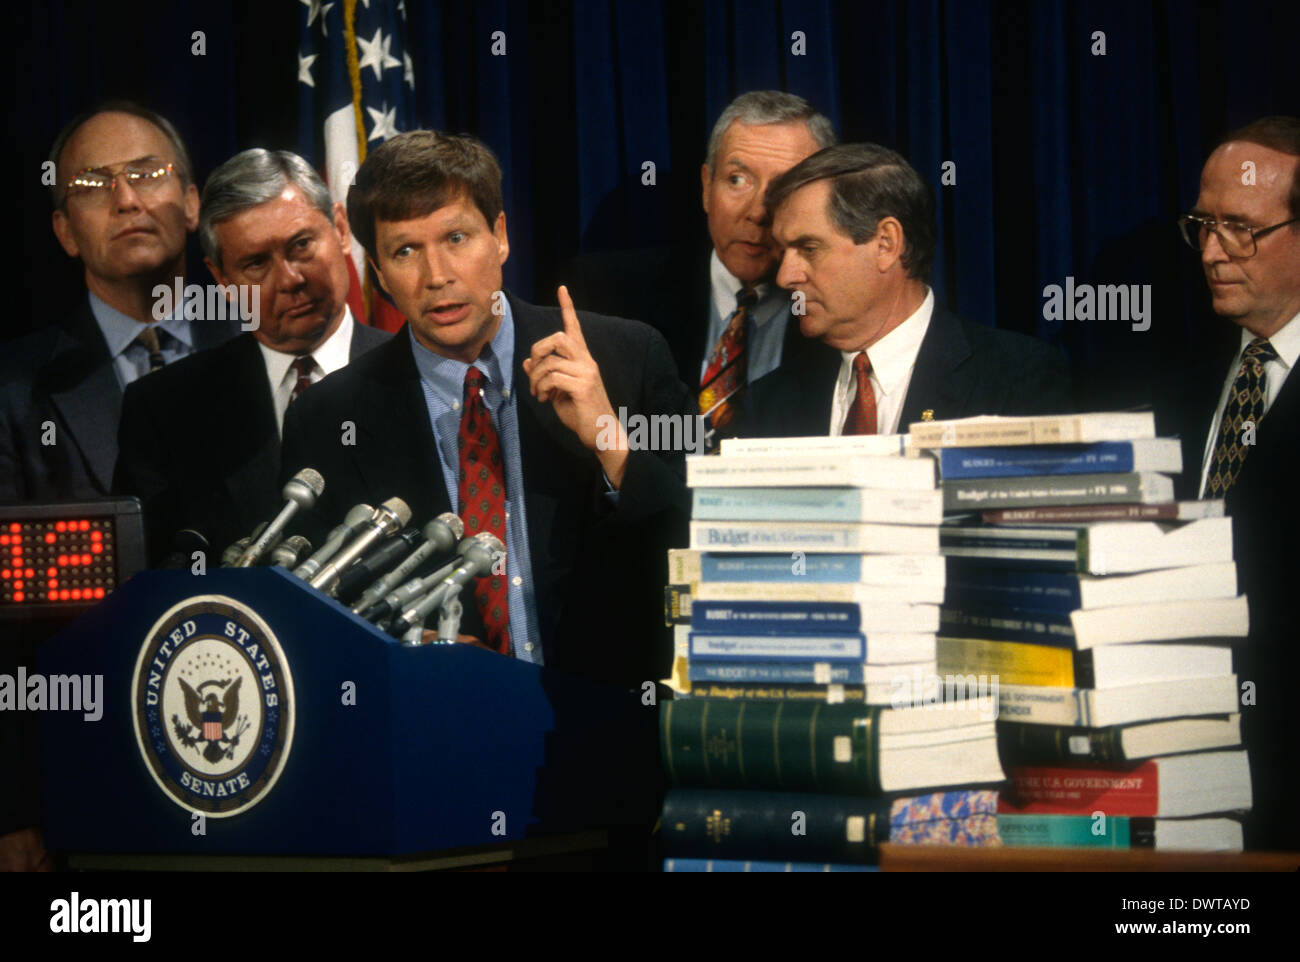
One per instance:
(288, 551)
(184, 544)
(352, 522)
(440, 536)
(388, 518)
(301, 491)
(371, 566)
(232, 553)
(480, 553)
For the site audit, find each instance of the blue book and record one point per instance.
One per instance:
(736, 865)
(834, 568)
(817, 504)
(820, 672)
(1040, 460)
(707, 646)
(981, 586)
(810, 617)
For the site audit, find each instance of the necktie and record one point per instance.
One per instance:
(148, 339)
(724, 377)
(861, 418)
(304, 365)
(1245, 404)
(481, 491)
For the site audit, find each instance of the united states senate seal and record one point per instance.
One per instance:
(213, 706)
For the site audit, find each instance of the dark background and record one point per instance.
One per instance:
(1067, 163)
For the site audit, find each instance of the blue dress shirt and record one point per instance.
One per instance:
(131, 360)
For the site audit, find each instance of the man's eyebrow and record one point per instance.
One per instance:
(739, 164)
(1229, 216)
(126, 163)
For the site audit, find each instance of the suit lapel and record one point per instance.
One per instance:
(82, 386)
(937, 384)
(255, 462)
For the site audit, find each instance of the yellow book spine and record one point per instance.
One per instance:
(1013, 662)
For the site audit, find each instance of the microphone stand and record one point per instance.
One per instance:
(449, 618)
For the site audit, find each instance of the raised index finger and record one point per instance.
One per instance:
(571, 325)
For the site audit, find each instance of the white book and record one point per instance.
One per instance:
(1163, 584)
(911, 592)
(1162, 621)
(1115, 547)
(991, 431)
(878, 445)
(814, 537)
(790, 470)
(1090, 708)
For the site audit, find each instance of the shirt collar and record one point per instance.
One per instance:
(726, 286)
(330, 355)
(120, 331)
(445, 376)
(1286, 342)
(893, 356)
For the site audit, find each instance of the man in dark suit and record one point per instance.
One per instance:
(726, 321)
(124, 202)
(856, 226)
(1237, 410)
(505, 412)
(200, 440)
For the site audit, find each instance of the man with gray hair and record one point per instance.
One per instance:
(726, 321)
(200, 442)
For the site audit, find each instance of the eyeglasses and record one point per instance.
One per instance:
(95, 186)
(1237, 240)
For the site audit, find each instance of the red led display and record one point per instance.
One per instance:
(57, 561)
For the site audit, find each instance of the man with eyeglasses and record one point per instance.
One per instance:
(1238, 412)
(124, 203)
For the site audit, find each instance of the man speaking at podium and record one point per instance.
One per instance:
(495, 407)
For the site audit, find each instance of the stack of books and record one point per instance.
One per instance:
(801, 736)
(1107, 611)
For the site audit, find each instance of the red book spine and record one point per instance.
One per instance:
(1038, 790)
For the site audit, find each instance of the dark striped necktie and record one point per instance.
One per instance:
(148, 339)
(304, 365)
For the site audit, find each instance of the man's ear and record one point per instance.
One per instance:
(889, 243)
(218, 274)
(705, 178)
(341, 226)
(191, 202)
(63, 231)
(379, 275)
(503, 239)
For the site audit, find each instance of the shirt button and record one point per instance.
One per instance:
(528, 646)
(455, 405)
(516, 581)
(506, 392)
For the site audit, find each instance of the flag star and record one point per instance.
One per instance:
(409, 74)
(324, 12)
(304, 69)
(376, 54)
(385, 121)
(401, 8)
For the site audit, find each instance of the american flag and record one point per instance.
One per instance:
(212, 726)
(355, 86)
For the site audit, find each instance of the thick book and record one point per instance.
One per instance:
(1111, 457)
(810, 617)
(914, 592)
(809, 746)
(883, 647)
(814, 537)
(984, 586)
(826, 694)
(1168, 787)
(1114, 666)
(758, 865)
(1100, 708)
(885, 683)
(795, 470)
(994, 431)
(686, 565)
(817, 504)
(1021, 744)
(1087, 513)
(1211, 618)
(847, 445)
(967, 494)
(1121, 832)
(803, 827)
(1101, 549)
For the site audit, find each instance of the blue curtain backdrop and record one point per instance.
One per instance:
(1068, 163)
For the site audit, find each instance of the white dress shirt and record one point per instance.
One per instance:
(1286, 343)
(892, 359)
(765, 332)
(329, 357)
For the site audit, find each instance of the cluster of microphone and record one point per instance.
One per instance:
(392, 575)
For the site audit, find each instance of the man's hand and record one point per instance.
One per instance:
(562, 371)
(23, 851)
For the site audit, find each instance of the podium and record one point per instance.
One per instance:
(244, 713)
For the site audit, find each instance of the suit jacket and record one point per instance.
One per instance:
(667, 287)
(1266, 531)
(63, 374)
(200, 446)
(598, 569)
(962, 369)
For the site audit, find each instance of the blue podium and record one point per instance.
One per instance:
(244, 713)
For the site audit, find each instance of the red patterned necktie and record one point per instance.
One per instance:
(724, 378)
(862, 412)
(304, 365)
(481, 491)
(1245, 405)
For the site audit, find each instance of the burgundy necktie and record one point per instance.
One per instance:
(862, 412)
(481, 490)
(304, 366)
